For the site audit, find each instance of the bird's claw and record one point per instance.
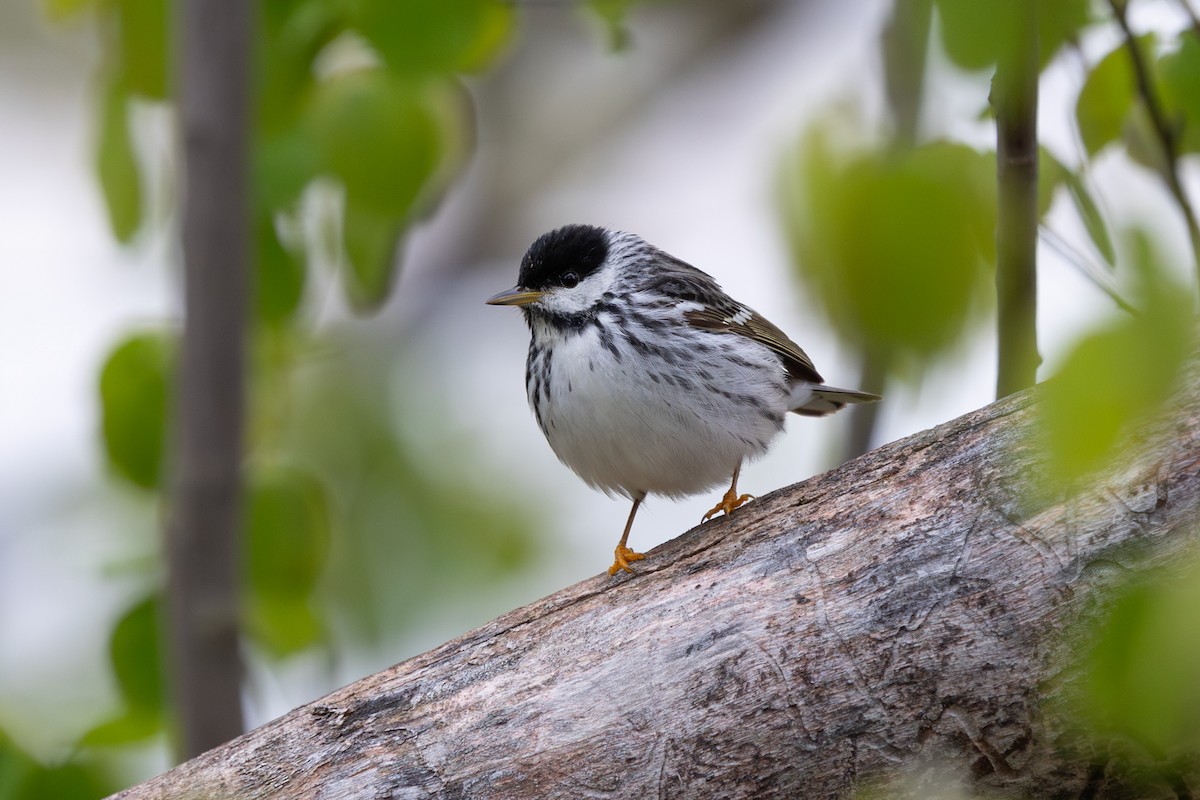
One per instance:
(623, 556)
(728, 503)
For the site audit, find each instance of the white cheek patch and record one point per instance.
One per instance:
(580, 298)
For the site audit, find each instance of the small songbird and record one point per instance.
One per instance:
(646, 377)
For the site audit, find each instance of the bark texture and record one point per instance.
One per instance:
(906, 607)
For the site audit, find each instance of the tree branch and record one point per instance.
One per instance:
(904, 607)
(1015, 100)
(204, 507)
(1163, 129)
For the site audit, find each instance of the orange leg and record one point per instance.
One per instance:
(623, 554)
(731, 500)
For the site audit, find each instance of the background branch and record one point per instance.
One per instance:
(1163, 130)
(908, 606)
(205, 501)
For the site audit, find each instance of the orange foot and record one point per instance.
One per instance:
(623, 556)
(728, 503)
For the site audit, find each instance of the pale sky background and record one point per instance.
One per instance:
(691, 168)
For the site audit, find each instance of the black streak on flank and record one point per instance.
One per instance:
(572, 248)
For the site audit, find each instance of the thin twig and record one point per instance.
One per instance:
(1086, 267)
(1163, 130)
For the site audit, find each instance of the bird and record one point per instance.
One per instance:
(646, 377)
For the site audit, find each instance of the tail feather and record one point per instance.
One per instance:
(818, 400)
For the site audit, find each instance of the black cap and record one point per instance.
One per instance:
(572, 248)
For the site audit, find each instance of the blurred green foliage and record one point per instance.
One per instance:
(389, 124)
(23, 778)
(1179, 74)
(407, 526)
(136, 656)
(1119, 375)
(613, 14)
(976, 32)
(117, 168)
(348, 531)
(1106, 99)
(287, 534)
(1139, 690)
(135, 384)
(894, 242)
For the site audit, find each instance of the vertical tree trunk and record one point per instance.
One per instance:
(205, 502)
(1015, 100)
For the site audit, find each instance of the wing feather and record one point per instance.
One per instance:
(743, 321)
(722, 314)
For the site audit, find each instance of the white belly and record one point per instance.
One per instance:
(635, 425)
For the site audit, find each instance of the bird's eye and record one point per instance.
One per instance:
(570, 279)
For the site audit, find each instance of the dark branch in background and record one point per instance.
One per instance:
(1162, 129)
(904, 43)
(205, 502)
(1015, 100)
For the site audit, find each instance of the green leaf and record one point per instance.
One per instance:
(61, 11)
(1179, 76)
(378, 135)
(434, 36)
(289, 38)
(288, 531)
(1093, 220)
(1117, 376)
(142, 45)
(116, 164)
(134, 390)
(613, 13)
(1106, 98)
(1060, 22)
(136, 657)
(283, 626)
(974, 32)
(283, 165)
(372, 242)
(64, 782)
(23, 778)
(16, 767)
(1051, 175)
(130, 726)
(1140, 678)
(895, 246)
(279, 276)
